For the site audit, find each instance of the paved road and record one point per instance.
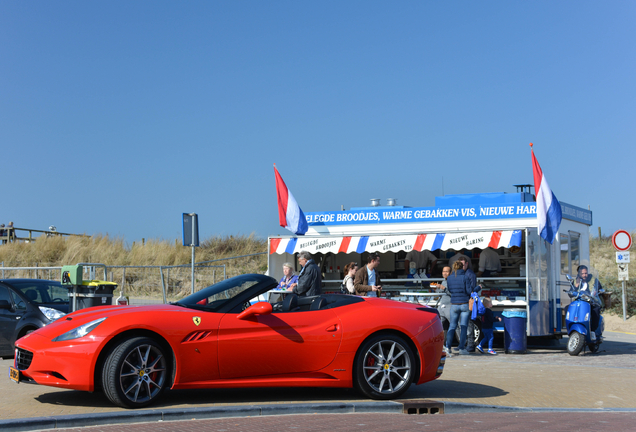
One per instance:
(541, 378)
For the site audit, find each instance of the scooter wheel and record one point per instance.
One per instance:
(593, 347)
(576, 342)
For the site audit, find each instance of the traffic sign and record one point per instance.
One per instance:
(622, 257)
(622, 240)
(623, 272)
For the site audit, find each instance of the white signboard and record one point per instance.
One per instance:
(622, 257)
(623, 272)
(622, 240)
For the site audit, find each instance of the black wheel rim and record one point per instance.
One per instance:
(143, 373)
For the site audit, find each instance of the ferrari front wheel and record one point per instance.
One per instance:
(384, 367)
(135, 373)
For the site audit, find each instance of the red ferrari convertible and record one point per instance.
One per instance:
(216, 338)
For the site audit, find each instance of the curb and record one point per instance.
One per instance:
(466, 408)
(144, 416)
(148, 416)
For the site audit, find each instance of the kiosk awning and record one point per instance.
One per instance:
(396, 243)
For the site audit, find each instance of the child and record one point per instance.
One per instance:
(486, 327)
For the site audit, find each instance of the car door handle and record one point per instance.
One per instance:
(332, 328)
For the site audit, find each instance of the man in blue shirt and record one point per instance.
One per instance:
(367, 278)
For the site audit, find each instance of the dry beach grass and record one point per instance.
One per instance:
(59, 251)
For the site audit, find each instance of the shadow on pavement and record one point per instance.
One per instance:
(257, 395)
(195, 397)
(453, 389)
(75, 398)
(203, 397)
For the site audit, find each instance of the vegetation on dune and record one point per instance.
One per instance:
(58, 251)
(603, 263)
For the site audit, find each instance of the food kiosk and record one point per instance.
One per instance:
(532, 273)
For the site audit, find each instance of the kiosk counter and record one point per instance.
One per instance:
(532, 271)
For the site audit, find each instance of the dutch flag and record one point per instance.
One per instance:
(548, 207)
(290, 215)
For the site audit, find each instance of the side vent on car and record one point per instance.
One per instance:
(196, 336)
(429, 309)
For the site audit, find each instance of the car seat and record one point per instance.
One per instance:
(290, 303)
(318, 303)
(31, 295)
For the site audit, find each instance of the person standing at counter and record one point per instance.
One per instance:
(309, 279)
(460, 289)
(289, 280)
(444, 305)
(421, 260)
(367, 278)
(350, 274)
(489, 262)
(457, 256)
(472, 277)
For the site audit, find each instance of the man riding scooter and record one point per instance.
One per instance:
(587, 282)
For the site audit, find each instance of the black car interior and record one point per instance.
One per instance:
(294, 303)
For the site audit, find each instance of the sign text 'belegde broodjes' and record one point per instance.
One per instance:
(401, 214)
(398, 215)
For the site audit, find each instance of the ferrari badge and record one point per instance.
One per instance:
(197, 320)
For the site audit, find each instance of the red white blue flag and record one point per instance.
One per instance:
(290, 215)
(548, 207)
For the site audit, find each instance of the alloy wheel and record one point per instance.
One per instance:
(387, 367)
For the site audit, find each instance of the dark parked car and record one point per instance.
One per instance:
(26, 305)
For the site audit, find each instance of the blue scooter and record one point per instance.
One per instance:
(577, 321)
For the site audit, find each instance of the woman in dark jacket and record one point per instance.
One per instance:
(460, 288)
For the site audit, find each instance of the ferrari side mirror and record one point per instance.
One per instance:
(260, 308)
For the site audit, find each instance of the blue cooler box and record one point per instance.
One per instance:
(515, 340)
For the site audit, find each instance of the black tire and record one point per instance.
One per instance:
(474, 334)
(384, 367)
(135, 373)
(474, 329)
(593, 347)
(576, 342)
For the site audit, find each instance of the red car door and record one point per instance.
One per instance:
(278, 343)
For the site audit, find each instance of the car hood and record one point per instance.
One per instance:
(83, 316)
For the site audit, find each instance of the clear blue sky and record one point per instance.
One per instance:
(118, 116)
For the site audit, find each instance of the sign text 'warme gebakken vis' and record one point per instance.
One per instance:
(435, 214)
(399, 215)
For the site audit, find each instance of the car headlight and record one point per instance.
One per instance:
(80, 331)
(51, 314)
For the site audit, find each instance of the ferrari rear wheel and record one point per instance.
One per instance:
(135, 373)
(384, 367)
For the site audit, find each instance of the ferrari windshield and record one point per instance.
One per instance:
(228, 292)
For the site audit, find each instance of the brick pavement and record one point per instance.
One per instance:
(507, 422)
(542, 378)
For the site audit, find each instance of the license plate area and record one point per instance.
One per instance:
(14, 374)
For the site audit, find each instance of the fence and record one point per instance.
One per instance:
(150, 284)
(11, 234)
